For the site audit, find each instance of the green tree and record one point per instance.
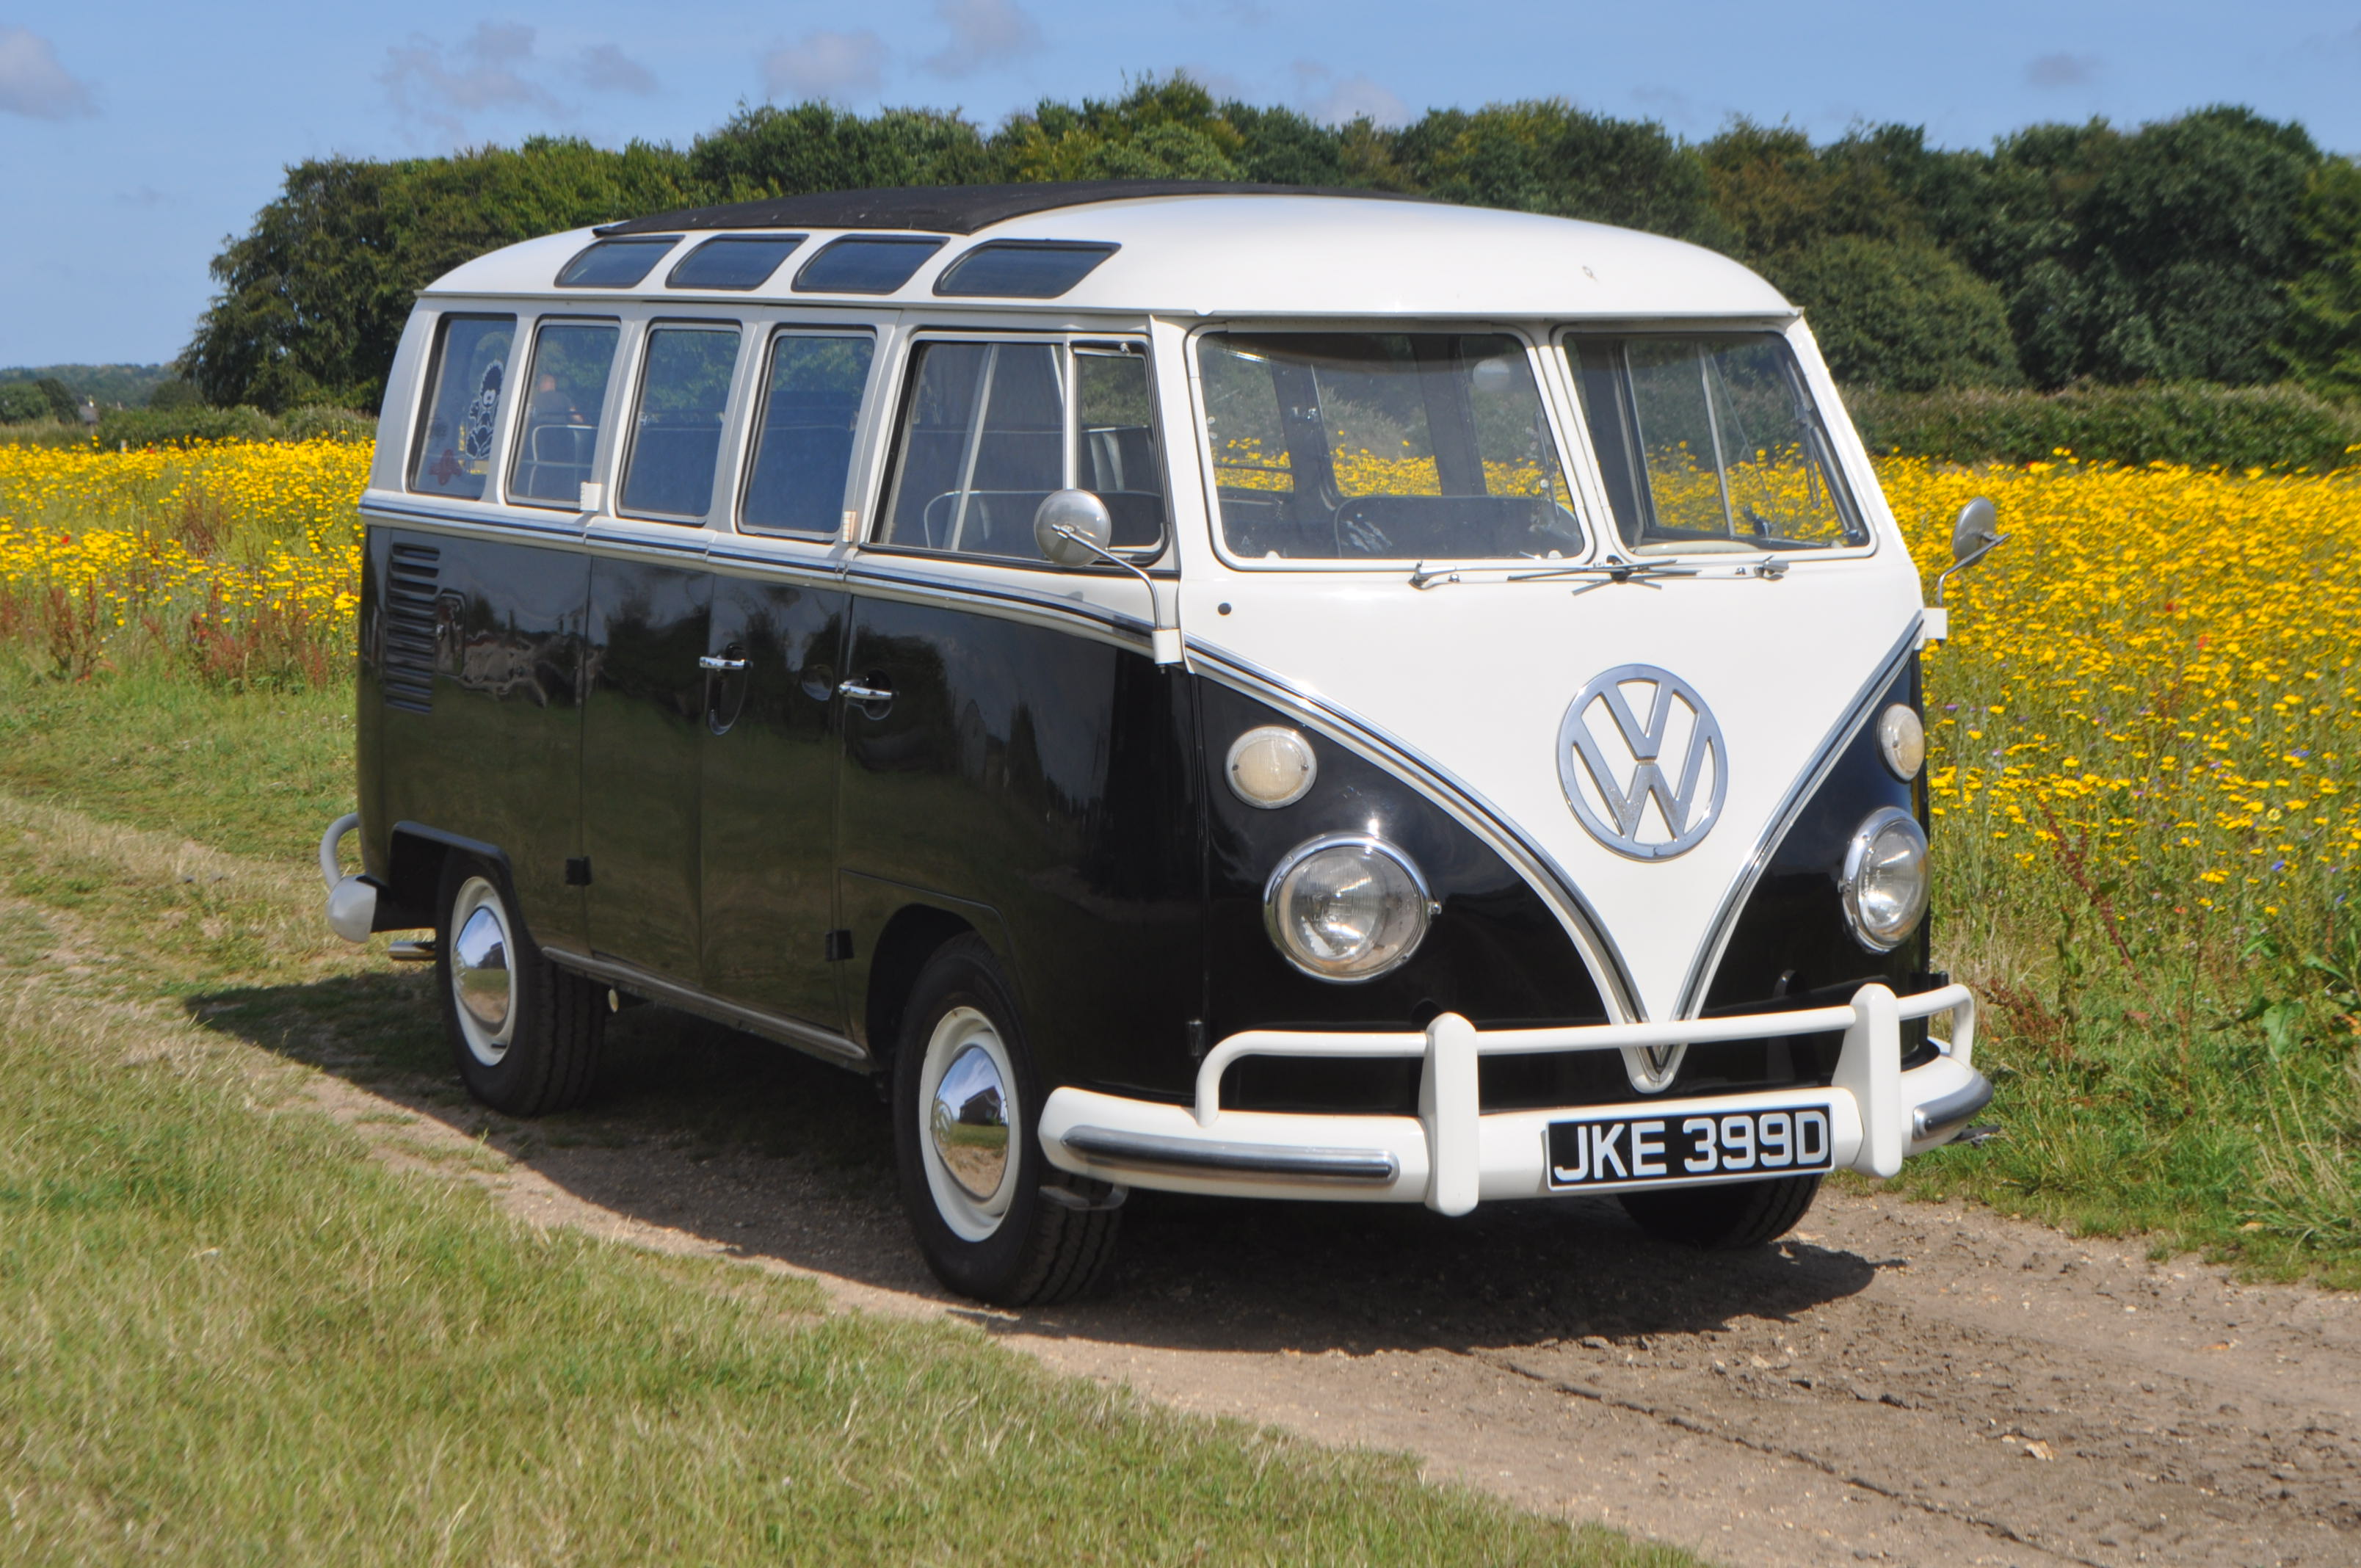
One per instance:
(21, 403)
(1163, 128)
(315, 296)
(2165, 254)
(2321, 341)
(1548, 157)
(1900, 315)
(771, 151)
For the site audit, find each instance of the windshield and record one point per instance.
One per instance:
(1710, 443)
(1382, 446)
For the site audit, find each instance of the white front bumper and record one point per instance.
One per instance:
(1451, 1156)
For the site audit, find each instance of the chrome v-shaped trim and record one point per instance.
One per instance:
(1807, 785)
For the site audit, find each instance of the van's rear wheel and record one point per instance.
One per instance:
(994, 1219)
(525, 1034)
(1724, 1219)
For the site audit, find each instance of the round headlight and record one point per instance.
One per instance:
(1885, 879)
(1346, 908)
(1902, 738)
(1272, 766)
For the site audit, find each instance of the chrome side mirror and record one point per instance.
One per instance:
(1072, 528)
(1977, 531)
(1973, 537)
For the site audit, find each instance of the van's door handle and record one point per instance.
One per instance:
(867, 695)
(718, 662)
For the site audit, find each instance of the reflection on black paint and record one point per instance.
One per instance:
(1791, 946)
(498, 759)
(1050, 778)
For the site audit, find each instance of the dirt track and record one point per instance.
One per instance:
(1915, 1384)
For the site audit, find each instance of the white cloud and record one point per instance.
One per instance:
(33, 83)
(826, 65)
(1339, 100)
(607, 69)
(983, 32)
(2063, 71)
(437, 85)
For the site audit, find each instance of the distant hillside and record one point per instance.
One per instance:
(107, 384)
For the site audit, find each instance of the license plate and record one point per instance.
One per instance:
(1618, 1150)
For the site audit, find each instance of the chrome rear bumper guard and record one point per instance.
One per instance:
(1451, 1156)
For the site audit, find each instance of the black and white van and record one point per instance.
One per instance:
(1277, 693)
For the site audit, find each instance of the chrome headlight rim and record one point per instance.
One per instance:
(1426, 904)
(1857, 853)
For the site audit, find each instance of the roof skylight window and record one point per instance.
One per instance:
(866, 263)
(1023, 268)
(616, 263)
(733, 261)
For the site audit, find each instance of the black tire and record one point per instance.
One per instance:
(1040, 1235)
(542, 1051)
(1724, 1219)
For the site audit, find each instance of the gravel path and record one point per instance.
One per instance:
(1911, 1383)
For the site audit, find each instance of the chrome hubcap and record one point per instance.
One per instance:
(483, 972)
(480, 965)
(969, 1123)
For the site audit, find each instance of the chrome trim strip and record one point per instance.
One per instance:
(1471, 810)
(1104, 1146)
(808, 1038)
(1800, 796)
(455, 522)
(1938, 1117)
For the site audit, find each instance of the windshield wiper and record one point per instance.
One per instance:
(1599, 575)
(1644, 572)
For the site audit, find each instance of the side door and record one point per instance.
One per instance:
(1040, 776)
(649, 631)
(778, 627)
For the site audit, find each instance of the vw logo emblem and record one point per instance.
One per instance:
(1649, 786)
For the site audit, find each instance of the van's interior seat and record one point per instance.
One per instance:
(556, 460)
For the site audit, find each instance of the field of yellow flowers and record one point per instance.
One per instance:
(242, 560)
(2144, 765)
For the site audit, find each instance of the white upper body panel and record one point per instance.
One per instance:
(1472, 676)
(1292, 256)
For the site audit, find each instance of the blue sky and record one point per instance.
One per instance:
(133, 137)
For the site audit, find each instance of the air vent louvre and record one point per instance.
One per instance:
(407, 669)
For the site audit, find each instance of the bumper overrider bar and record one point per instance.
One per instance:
(1452, 1155)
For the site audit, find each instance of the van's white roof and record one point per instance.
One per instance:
(1230, 253)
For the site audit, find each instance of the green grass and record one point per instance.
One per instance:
(228, 1334)
(251, 774)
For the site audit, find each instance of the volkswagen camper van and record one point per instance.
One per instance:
(1274, 693)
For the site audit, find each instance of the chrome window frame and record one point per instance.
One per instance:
(508, 495)
(903, 388)
(1856, 496)
(758, 403)
(724, 443)
(1573, 467)
(422, 404)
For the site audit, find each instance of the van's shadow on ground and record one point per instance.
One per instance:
(766, 1152)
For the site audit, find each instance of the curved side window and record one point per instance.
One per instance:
(803, 440)
(452, 455)
(559, 435)
(676, 433)
(1711, 445)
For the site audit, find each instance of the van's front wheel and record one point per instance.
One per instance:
(1726, 1218)
(524, 1033)
(992, 1219)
